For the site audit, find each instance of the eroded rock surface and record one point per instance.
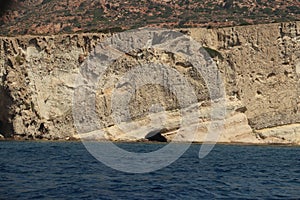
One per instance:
(259, 65)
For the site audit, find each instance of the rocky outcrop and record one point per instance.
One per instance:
(260, 65)
(286, 134)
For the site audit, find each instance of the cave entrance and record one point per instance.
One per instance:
(6, 127)
(155, 136)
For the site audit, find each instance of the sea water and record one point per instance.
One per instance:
(66, 170)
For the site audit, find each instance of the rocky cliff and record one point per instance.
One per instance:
(260, 65)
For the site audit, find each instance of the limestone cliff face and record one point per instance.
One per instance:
(37, 76)
(260, 65)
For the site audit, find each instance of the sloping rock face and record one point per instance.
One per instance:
(260, 66)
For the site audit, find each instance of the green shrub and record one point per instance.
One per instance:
(19, 59)
(213, 53)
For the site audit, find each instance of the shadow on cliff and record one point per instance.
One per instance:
(6, 127)
(5, 5)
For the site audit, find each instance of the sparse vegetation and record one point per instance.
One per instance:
(19, 59)
(86, 16)
(213, 53)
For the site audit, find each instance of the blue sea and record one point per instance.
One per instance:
(66, 170)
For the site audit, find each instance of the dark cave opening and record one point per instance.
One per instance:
(6, 127)
(155, 136)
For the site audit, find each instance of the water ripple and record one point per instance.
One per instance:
(65, 170)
